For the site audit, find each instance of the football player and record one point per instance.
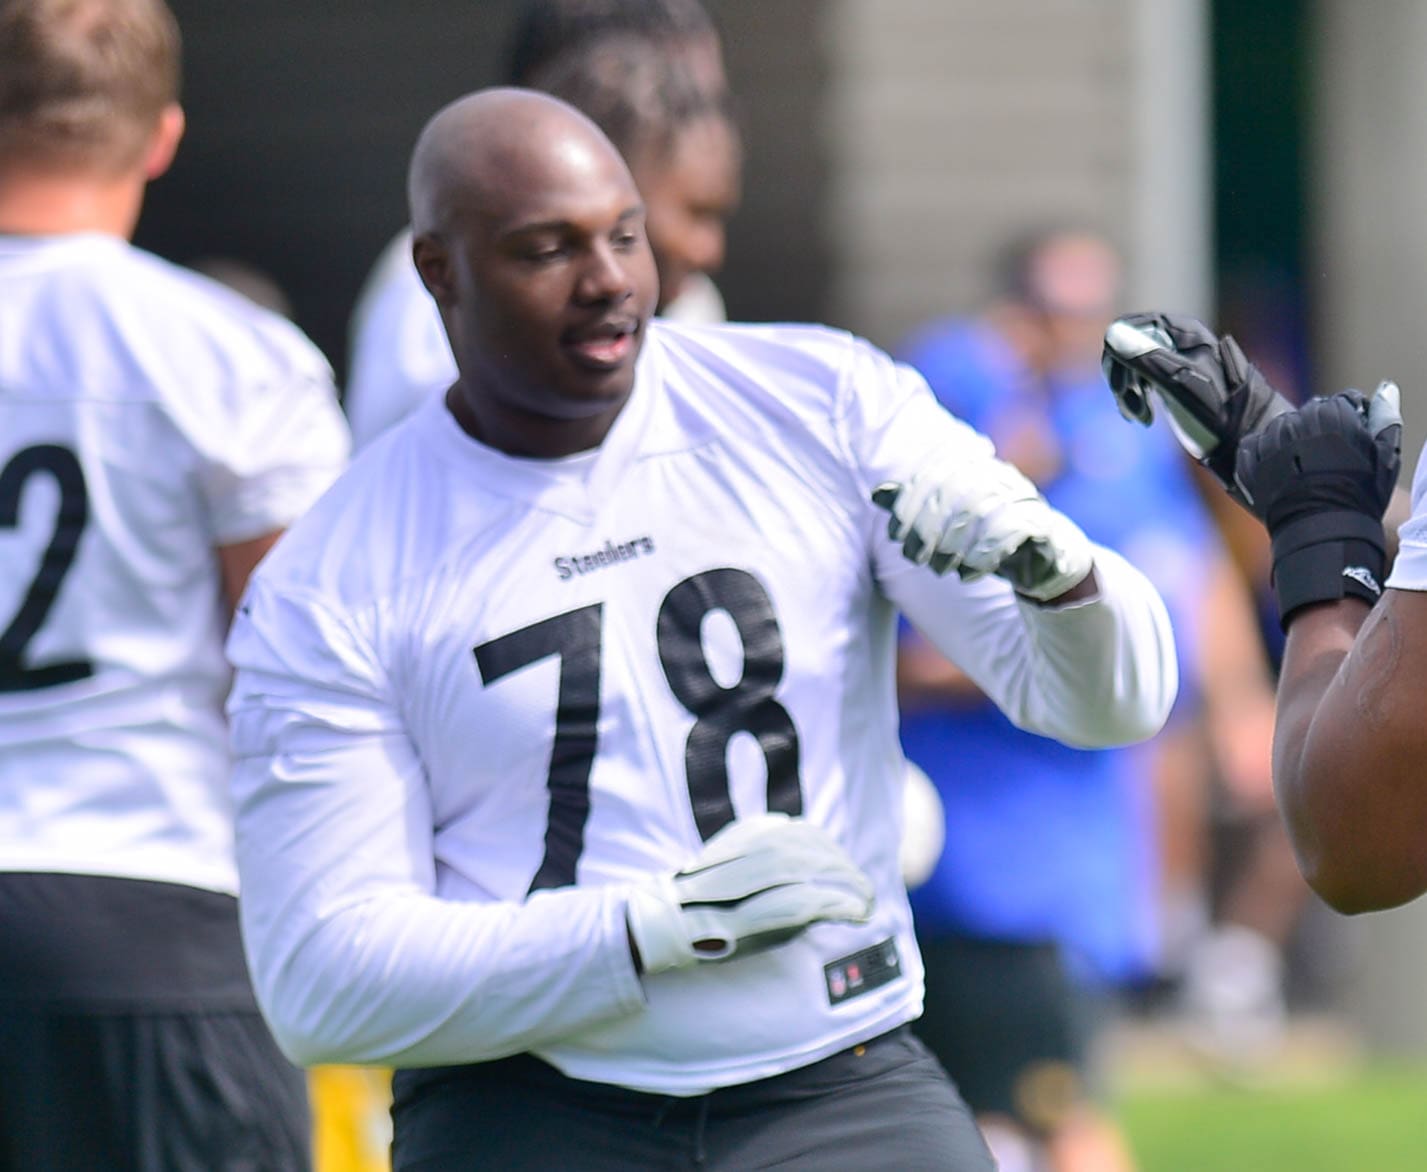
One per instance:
(568, 776)
(156, 433)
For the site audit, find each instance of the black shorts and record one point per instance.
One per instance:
(1011, 1026)
(885, 1105)
(129, 1037)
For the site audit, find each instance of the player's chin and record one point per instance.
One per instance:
(582, 392)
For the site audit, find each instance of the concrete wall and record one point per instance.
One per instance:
(1367, 200)
(953, 124)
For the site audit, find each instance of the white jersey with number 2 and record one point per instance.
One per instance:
(147, 416)
(479, 696)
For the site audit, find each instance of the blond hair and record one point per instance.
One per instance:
(83, 82)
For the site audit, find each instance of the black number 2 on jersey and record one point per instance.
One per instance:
(60, 463)
(719, 711)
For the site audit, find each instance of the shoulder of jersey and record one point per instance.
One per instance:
(797, 368)
(210, 335)
(389, 507)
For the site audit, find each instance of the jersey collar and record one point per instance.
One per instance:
(575, 486)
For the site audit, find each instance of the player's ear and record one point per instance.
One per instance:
(164, 143)
(433, 263)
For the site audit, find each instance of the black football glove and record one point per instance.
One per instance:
(1320, 478)
(1212, 394)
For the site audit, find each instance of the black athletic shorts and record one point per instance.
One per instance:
(129, 1037)
(885, 1106)
(1011, 1026)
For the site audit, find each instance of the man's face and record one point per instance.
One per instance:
(689, 193)
(1077, 280)
(553, 285)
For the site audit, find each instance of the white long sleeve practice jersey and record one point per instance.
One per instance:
(478, 697)
(147, 415)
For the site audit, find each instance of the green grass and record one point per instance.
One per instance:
(1365, 1121)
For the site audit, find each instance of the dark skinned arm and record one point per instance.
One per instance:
(1350, 749)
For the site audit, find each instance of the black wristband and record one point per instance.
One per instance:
(1326, 556)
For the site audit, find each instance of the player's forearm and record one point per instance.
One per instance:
(411, 980)
(1346, 770)
(354, 955)
(1101, 671)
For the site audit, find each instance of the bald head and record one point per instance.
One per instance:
(528, 232)
(476, 151)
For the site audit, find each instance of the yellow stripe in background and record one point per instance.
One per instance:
(351, 1118)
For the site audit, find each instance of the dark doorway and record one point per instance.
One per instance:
(302, 114)
(1262, 114)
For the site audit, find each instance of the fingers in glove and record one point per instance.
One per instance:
(943, 561)
(1137, 356)
(809, 903)
(1385, 408)
(942, 533)
(904, 502)
(1185, 332)
(766, 850)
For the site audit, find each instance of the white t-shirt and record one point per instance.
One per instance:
(464, 674)
(399, 352)
(147, 415)
(1409, 570)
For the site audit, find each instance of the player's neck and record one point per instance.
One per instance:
(528, 435)
(61, 205)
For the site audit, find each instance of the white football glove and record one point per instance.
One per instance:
(986, 518)
(755, 884)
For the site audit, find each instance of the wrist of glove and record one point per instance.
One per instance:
(1320, 478)
(1212, 395)
(986, 518)
(756, 884)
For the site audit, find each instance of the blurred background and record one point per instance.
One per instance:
(1261, 165)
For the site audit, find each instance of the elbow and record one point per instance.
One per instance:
(316, 1016)
(301, 1049)
(1348, 902)
(1351, 898)
(1356, 832)
(1135, 699)
(1127, 716)
(1141, 720)
(1353, 871)
(1355, 890)
(307, 1038)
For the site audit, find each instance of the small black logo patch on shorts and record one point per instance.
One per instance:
(851, 976)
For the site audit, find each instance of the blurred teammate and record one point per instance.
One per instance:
(650, 74)
(548, 29)
(568, 772)
(1045, 903)
(156, 432)
(1350, 737)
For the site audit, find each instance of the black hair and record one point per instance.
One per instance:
(547, 29)
(634, 91)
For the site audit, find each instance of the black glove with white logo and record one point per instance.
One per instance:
(1320, 478)
(1213, 396)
